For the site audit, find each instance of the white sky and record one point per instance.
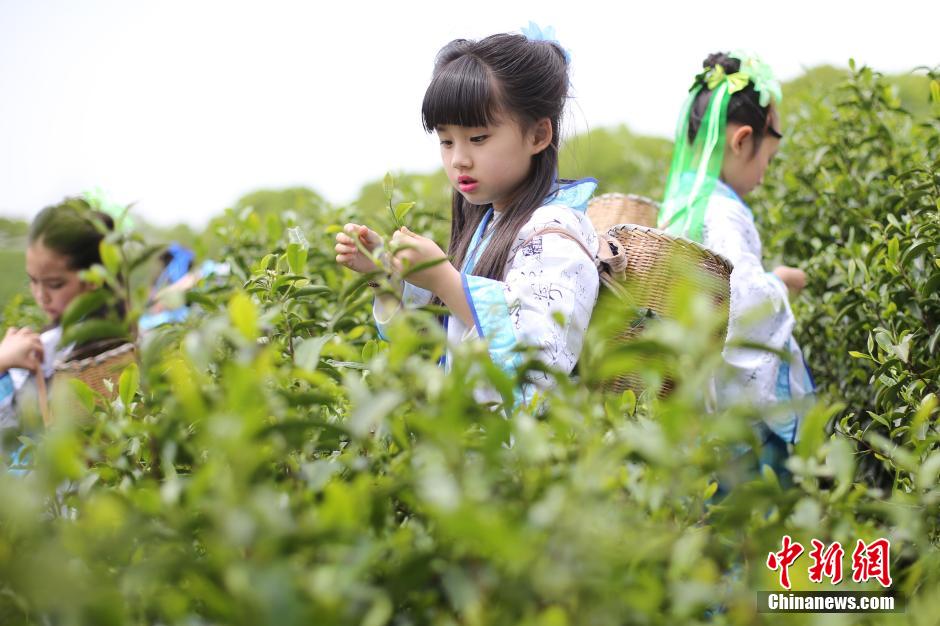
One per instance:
(183, 106)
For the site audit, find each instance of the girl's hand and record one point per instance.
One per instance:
(412, 250)
(21, 347)
(348, 253)
(793, 278)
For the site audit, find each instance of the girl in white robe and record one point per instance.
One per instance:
(63, 240)
(502, 279)
(728, 133)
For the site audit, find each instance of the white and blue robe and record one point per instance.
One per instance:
(760, 313)
(547, 279)
(18, 389)
(18, 386)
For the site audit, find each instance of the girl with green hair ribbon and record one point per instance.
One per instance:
(725, 139)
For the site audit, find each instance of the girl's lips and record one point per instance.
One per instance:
(466, 184)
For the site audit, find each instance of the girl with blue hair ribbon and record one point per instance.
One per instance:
(520, 269)
(177, 276)
(728, 132)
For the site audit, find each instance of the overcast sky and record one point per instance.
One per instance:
(183, 106)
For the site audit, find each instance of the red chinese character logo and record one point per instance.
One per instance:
(828, 563)
(784, 559)
(872, 561)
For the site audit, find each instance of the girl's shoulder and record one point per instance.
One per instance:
(574, 194)
(566, 208)
(724, 202)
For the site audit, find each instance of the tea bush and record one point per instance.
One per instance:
(272, 461)
(855, 200)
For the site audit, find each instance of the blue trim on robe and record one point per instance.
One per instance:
(487, 299)
(473, 309)
(477, 246)
(785, 396)
(18, 461)
(6, 386)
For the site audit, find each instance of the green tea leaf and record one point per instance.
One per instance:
(110, 257)
(244, 315)
(93, 330)
(129, 383)
(84, 304)
(296, 258)
(401, 210)
(307, 352)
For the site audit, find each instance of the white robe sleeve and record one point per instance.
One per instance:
(546, 298)
(760, 309)
(412, 297)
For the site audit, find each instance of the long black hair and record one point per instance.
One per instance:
(477, 82)
(743, 106)
(72, 229)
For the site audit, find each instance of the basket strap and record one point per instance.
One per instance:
(43, 396)
(554, 230)
(610, 260)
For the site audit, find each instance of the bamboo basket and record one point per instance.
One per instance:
(611, 209)
(95, 370)
(653, 260)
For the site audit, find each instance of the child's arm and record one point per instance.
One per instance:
(20, 348)
(792, 277)
(443, 279)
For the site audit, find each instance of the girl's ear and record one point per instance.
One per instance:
(541, 135)
(739, 137)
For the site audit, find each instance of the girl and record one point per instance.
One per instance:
(727, 135)
(63, 240)
(496, 106)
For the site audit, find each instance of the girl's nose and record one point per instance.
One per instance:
(460, 159)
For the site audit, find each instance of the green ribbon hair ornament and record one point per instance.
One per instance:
(696, 167)
(99, 201)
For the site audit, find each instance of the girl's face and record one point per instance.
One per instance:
(488, 164)
(743, 168)
(53, 283)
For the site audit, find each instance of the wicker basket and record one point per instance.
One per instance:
(95, 370)
(612, 209)
(653, 260)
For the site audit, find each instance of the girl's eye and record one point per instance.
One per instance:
(446, 142)
(478, 138)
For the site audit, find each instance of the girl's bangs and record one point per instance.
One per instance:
(460, 94)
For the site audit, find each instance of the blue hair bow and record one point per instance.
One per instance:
(534, 32)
